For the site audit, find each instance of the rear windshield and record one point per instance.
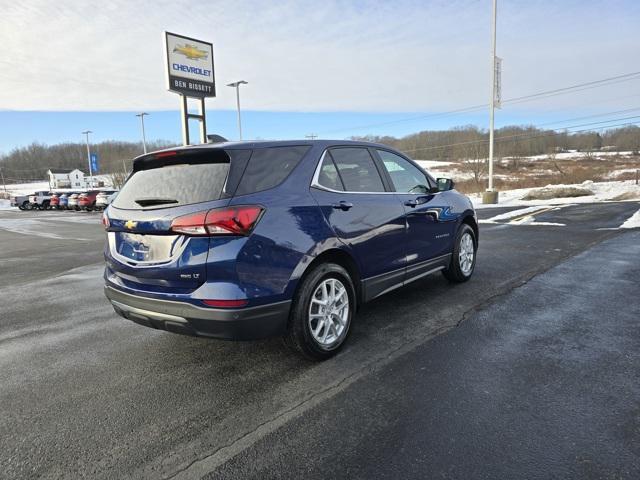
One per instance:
(207, 176)
(172, 186)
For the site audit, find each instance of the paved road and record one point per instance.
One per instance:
(85, 394)
(542, 384)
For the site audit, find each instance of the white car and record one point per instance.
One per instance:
(104, 198)
(72, 203)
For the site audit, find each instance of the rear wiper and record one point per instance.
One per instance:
(146, 202)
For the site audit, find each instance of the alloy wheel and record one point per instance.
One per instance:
(329, 313)
(466, 254)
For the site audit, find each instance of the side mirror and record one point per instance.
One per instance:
(444, 184)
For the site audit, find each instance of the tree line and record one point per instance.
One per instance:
(31, 163)
(468, 144)
(471, 142)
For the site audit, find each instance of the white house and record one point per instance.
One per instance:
(66, 178)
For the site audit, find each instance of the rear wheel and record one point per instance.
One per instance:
(463, 259)
(321, 313)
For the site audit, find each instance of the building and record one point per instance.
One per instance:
(66, 178)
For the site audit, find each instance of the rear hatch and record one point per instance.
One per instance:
(143, 252)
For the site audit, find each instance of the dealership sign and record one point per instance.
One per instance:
(189, 66)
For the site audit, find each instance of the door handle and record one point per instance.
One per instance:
(411, 203)
(342, 205)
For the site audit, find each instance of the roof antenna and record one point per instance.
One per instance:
(216, 139)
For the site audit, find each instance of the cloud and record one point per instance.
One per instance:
(310, 56)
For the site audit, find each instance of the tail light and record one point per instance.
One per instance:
(237, 220)
(105, 220)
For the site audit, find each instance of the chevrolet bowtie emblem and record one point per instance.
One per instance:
(130, 224)
(190, 51)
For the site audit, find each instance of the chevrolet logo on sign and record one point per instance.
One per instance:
(130, 224)
(190, 51)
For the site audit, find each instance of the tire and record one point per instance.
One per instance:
(306, 316)
(461, 268)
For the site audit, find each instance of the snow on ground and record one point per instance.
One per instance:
(633, 221)
(525, 216)
(573, 155)
(6, 205)
(622, 171)
(30, 188)
(432, 164)
(27, 188)
(602, 192)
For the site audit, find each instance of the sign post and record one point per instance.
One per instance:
(190, 73)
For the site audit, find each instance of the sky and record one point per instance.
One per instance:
(332, 68)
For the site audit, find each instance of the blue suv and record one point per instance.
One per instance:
(252, 239)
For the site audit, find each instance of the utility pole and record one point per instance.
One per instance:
(4, 185)
(86, 133)
(491, 196)
(236, 85)
(311, 136)
(144, 139)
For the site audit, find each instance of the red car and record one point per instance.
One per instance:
(87, 200)
(54, 202)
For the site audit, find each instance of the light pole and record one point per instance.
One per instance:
(144, 139)
(236, 85)
(86, 133)
(491, 196)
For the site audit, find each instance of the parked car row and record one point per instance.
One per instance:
(45, 200)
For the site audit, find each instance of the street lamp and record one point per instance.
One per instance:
(86, 133)
(236, 85)
(144, 140)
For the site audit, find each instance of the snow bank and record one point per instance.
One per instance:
(633, 221)
(26, 188)
(6, 205)
(602, 192)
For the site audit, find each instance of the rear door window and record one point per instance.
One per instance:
(268, 167)
(357, 170)
(328, 176)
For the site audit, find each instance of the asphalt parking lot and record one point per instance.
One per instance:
(530, 370)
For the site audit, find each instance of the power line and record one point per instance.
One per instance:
(592, 84)
(558, 91)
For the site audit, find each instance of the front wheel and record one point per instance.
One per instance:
(463, 258)
(321, 313)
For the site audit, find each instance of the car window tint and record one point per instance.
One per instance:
(268, 167)
(357, 170)
(406, 177)
(328, 176)
(178, 184)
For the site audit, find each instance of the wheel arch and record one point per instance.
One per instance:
(342, 258)
(469, 219)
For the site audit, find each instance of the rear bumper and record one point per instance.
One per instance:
(187, 319)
